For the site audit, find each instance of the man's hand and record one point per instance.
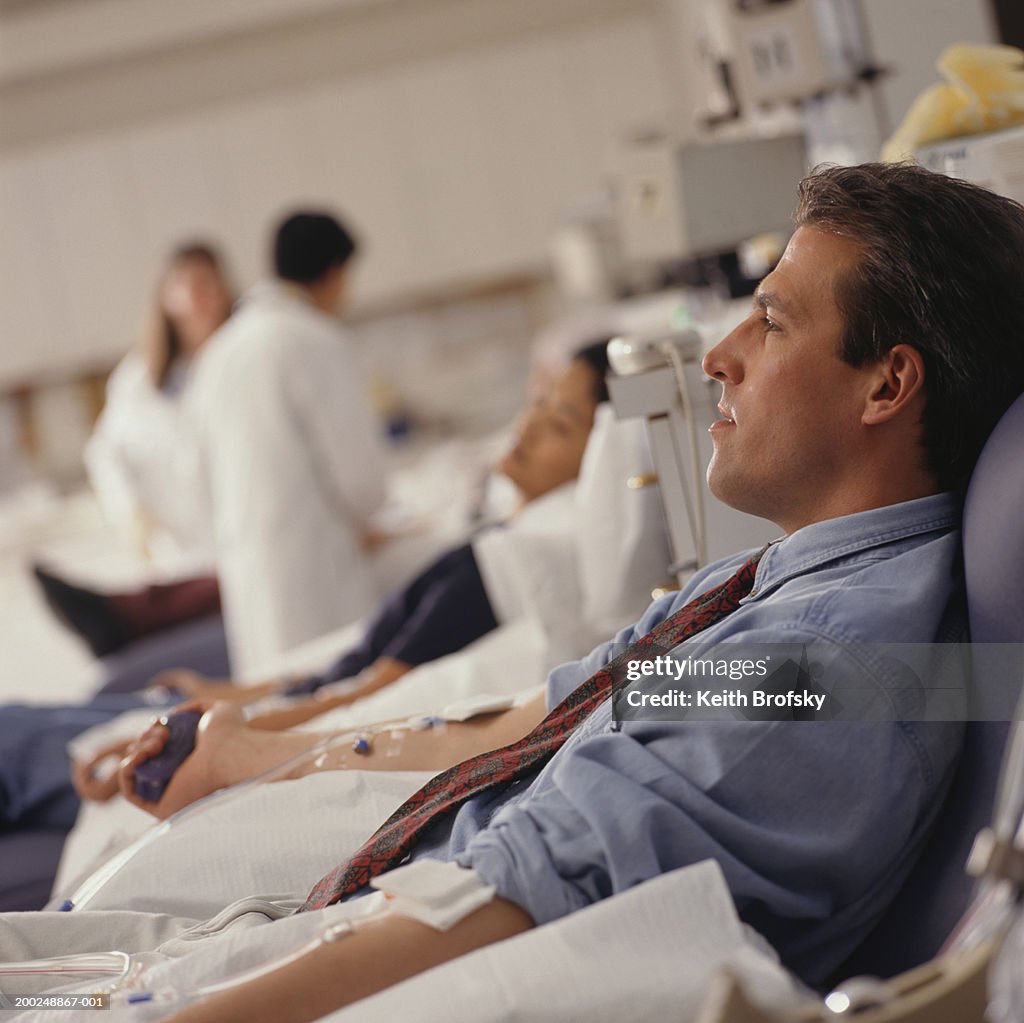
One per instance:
(227, 751)
(84, 775)
(148, 745)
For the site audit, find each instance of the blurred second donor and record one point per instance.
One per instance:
(291, 454)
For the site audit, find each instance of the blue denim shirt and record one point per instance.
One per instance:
(815, 824)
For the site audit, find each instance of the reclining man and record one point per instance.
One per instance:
(856, 397)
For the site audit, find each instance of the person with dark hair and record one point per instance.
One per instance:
(814, 819)
(308, 245)
(909, 287)
(292, 457)
(554, 430)
(443, 609)
(595, 356)
(901, 298)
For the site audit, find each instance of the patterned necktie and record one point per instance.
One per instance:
(448, 790)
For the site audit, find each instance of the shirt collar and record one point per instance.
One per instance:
(815, 545)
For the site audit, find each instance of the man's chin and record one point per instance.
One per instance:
(736, 493)
(717, 479)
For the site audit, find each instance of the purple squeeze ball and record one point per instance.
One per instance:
(154, 775)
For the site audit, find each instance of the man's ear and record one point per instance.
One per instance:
(897, 381)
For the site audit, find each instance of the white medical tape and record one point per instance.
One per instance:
(436, 893)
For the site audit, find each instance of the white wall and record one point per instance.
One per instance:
(453, 165)
(451, 131)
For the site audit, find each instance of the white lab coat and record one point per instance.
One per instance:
(141, 467)
(293, 466)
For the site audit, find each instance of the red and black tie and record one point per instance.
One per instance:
(448, 790)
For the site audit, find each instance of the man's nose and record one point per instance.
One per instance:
(722, 362)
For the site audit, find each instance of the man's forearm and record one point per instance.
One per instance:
(380, 953)
(292, 754)
(429, 750)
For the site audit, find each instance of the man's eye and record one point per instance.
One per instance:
(770, 324)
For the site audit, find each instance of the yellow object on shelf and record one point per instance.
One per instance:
(984, 91)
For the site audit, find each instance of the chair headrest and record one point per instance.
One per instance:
(993, 534)
(621, 539)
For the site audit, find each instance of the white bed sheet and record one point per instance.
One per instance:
(647, 955)
(503, 663)
(280, 837)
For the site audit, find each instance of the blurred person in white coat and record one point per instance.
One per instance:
(143, 471)
(139, 433)
(291, 456)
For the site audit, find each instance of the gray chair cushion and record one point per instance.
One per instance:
(28, 865)
(937, 892)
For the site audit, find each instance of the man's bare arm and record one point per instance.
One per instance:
(331, 976)
(228, 751)
(432, 750)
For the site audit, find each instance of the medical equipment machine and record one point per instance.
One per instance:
(994, 160)
(675, 201)
(650, 381)
(786, 50)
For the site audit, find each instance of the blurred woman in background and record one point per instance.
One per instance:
(142, 477)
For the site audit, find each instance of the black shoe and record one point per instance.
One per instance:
(88, 614)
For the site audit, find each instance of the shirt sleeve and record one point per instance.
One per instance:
(810, 821)
(444, 609)
(451, 612)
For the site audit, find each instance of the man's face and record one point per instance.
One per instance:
(787, 445)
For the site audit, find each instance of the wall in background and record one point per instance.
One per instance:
(453, 161)
(452, 132)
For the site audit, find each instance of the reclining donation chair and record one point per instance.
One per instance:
(921, 926)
